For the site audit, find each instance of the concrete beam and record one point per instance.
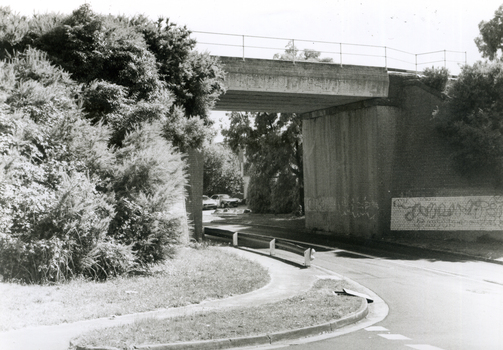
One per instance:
(259, 85)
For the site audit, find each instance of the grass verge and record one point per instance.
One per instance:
(192, 276)
(317, 306)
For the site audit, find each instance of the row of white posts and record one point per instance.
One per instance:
(307, 253)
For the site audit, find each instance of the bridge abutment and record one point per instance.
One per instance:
(379, 168)
(348, 156)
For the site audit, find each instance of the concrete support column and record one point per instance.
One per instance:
(348, 156)
(194, 204)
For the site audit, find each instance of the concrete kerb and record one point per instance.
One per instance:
(255, 340)
(258, 340)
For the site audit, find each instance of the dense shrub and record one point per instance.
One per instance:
(435, 78)
(108, 259)
(34, 261)
(147, 187)
(62, 186)
(90, 106)
(49, 245)
(471, 119)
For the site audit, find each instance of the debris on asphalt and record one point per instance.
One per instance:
(346, 291)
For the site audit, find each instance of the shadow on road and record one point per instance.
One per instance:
(358, 248)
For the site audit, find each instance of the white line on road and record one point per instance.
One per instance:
(376, 329)
(423, 347)
(394, 336)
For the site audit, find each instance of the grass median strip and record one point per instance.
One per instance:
(192, 276)
(317, 306)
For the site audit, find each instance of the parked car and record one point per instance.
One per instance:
(209, 203)
(225, 201)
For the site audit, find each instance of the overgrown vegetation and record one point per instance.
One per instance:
(94, 111)
(436, 78)
(472, 118)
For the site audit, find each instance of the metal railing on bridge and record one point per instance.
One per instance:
(249, 46)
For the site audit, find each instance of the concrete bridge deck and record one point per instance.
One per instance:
(258, 85)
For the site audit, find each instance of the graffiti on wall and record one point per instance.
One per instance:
(356, 208)
(473, 213)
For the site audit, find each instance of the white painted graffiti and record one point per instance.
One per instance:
(448, 213)
(354, 207)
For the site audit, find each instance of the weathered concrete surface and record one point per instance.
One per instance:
(258, 85)
(347, 169)
(360, 156)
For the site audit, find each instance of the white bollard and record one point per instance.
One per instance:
(308, 256)
(272, 247)
(235, 239)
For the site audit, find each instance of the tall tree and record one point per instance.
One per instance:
(490, 39)
(472, 117)
(273, 144)
(149, 69)
(222, 173)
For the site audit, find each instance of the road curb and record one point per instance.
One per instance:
(256, 340)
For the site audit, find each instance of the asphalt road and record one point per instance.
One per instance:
(436, 302)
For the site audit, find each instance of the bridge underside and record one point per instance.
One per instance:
(277, 102)
(257, 85)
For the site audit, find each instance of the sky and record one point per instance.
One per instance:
(411, 26)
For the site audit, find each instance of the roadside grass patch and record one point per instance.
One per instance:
(192, 276)
(317, 306)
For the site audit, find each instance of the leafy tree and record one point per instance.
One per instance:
(221, 171)
(195, 79)
(472, 118)
(490, 39)
(273, 144)
(131, 59)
